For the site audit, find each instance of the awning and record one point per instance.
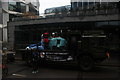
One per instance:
(12, 12)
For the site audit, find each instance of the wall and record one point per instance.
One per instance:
(5, 17)
(1, 26)
(0, 39)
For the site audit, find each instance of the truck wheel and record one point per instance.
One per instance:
(86, 63)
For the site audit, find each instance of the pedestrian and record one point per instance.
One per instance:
(46, 40)
(35, 61)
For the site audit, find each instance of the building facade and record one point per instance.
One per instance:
(57, 11)
(10, 9)
(85, 8)
(91, 4)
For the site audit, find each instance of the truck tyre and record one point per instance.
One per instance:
(86, 63)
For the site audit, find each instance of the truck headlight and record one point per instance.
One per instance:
(42, 54)
(28, 48)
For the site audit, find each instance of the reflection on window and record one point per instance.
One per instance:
(58, 9)
(74, 5)
(23, 7)
(50, 11)
(17, 6)
(12, 6)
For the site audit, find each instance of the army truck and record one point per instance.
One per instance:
(85, 48)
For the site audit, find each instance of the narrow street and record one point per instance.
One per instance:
(109, 69)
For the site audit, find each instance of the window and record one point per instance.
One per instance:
(52, 11)
(74, 5)
(12, 6)
(100, 24)
(113, 23)
(23, 7)
(85, 5)
(91, 2)
(17, 6)
(47, 11)
(79, 4)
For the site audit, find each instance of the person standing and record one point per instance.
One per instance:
(35, 60)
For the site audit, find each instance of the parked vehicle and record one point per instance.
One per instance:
(85, 48)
